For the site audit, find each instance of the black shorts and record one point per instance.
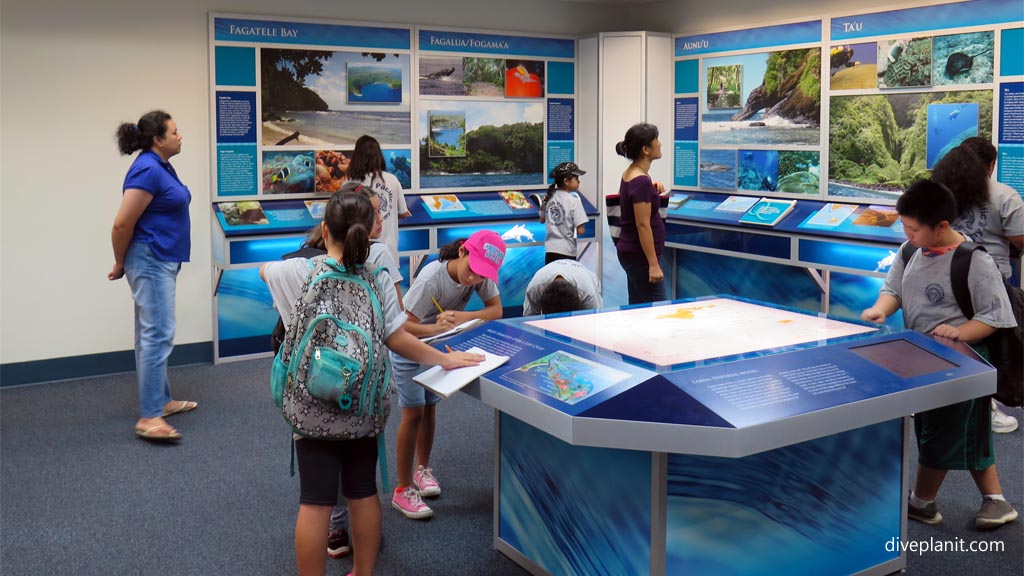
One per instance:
(322, 463)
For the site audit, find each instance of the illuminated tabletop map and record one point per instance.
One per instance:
(694, 331)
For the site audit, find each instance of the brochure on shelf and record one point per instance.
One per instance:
(768, 211)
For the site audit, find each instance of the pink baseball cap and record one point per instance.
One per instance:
(486, 252)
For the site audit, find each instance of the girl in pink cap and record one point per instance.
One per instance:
(437, 302)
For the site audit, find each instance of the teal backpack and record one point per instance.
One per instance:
(332, 375)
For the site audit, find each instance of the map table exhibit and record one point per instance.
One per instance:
(709, 436)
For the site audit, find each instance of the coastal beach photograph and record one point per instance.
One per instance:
(878, 142)
(905, 62)
(718, 169)
(524, 78)
(779, 99)
(447, 135)
(799, 172)
(963, 58)
(504, 146)
(853, 66)
(306, 97)
(288, 172)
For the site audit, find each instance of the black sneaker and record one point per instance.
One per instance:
(929, 513)
(337, 544)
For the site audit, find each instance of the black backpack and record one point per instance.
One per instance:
(1005, 345)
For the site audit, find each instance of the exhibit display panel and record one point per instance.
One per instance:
(474, 121)
(706, 431)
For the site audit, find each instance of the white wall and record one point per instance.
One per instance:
(71, 72)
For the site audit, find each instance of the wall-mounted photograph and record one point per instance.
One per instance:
(758, 170)
(905, 62)
(447, 135)
(725, 86)
(331, 166)
(780, 99)
(483, 76)
(948, 126)
(288, 172)
(878, 143)
(306, 100)
(853, 66)
(504, 146)
(399, 163)
(441, 76)
(799, 172)
(718, 169)
(524, 78)
(963, 58)
(374, 83)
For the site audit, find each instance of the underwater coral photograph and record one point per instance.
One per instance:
(759, 170)
(799, 172)
(963, 59)
(905, 62)
(853, 66)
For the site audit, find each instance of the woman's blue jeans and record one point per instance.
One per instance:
(152, 283)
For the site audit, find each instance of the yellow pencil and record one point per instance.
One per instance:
(439, 309)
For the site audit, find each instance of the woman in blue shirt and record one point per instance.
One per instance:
(151, 240)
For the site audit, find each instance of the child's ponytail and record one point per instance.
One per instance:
(349, 218)
(450, 251)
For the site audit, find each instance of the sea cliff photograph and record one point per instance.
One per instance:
(326, 98)
(779, 99)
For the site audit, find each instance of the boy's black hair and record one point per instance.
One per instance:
(928, 202)
(559, 296)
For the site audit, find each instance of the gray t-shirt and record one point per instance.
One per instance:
(392, 205)
(576, 273)
(989, 224)
(925, 292)
(380, 256)
(287, 277)
(434, 283)
(562, 214)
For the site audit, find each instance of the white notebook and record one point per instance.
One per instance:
(447, 382)
(453, 331)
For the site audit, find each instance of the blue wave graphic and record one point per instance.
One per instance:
(562, 507)
(244, 305)
(701, 274)
(831, 503)
(781, 35)
(937, 17)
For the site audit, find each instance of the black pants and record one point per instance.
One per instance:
(637, 276)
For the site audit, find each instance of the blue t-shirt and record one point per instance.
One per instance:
(164, 224)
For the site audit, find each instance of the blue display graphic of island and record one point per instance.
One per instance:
(948, 126)
(856, 481)
(718, 169)
(566, 377)
(374, 83)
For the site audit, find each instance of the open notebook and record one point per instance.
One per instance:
(460, 328)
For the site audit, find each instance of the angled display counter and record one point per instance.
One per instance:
(708, 436)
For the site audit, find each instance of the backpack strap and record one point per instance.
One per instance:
(959, 270)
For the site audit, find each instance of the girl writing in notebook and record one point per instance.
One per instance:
(436, 302)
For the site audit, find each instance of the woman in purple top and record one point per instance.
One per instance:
(643, 231)
(151, 240)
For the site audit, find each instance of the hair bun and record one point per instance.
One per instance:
(620, 148)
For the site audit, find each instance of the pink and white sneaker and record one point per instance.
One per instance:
(407, 501)
(425, 482)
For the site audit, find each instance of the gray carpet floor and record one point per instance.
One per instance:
(81, 495)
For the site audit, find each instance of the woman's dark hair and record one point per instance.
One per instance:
(927, 201)
(349, 218)
(638, 136)
(966, 176)
(366, 159)
(315, 239)
(559, 296)
(982, 148)
(132, 137)
(450, 251)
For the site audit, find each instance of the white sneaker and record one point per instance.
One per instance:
(1002, 423)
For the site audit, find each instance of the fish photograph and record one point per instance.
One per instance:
(853, 66)
(292, 172)
(904, 62)
(718, 169)
(963, 58)
(328, 98)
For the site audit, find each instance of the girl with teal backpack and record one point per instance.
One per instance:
(332, 378)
